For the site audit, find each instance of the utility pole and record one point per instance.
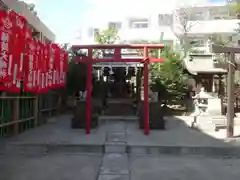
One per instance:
(230, 51)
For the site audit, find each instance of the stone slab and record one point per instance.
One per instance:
(114, 164)
(113, 177)
(116, 137)
(51, 148)
(50, 167)
(115, 127)
(115, 147)
(182, 168)
(58, 136)
(185, 150)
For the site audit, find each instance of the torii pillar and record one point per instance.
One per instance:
(231, 51)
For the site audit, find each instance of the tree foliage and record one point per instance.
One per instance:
(169, 74)
(107, 36)
(184, 26)
(76, 72)
(235, 9)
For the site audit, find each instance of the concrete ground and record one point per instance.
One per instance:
(178, 138)
(59, 132)
(55, 151)
(88, 167)
(206, 128)
(50, 167)
(182, 168)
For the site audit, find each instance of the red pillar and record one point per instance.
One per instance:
(89, 91)
(146, 105)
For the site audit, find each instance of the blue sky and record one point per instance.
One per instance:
(63, 17)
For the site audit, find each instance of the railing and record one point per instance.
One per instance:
(18, 114)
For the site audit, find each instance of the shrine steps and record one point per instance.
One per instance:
(120, 107)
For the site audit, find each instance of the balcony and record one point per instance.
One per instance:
(209, 27)
(148, 34)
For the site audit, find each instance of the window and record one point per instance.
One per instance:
(197, 16)
(238, 42)
(219, 13)
(95, 32)
(116, 25)
(165, 19)
(139, 23)
(197, 42)
(90, 32)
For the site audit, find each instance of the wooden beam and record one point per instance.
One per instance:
(225, 49)
(139, 60)
(121, 46)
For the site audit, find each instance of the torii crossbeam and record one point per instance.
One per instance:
(117, 58)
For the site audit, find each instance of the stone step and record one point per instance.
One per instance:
(106, 118)
(208, 151)
(214, 151)
(115, 147)
(28, 149)
(118, 109)
(114, 166)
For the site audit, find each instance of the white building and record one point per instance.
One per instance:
(203, 22)
(134, 28)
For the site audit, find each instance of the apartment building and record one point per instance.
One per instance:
(39, 29)
(136, 28)
(202, 24)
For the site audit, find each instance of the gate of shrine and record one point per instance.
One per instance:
(117, 58)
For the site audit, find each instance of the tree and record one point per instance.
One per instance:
(76, 71)
(106, 36)
(169, 74)
(183, 17)
(235, 8)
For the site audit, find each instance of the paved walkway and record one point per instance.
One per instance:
(88, 167)
(58, 136)
(117, 150)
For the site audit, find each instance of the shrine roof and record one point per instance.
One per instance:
(204, 64)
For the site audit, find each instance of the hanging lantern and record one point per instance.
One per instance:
(111, 70)
(106, 71)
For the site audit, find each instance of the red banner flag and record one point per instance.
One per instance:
(46, 60)
(53, 65)
(6, 47)
(30, 67)
(63, 67)
(42, 69)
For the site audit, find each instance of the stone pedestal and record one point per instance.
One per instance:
(156, 113)
(79, 117)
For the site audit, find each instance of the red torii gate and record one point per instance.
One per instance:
(117, 58)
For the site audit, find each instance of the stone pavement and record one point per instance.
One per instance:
(206, 126)
(50, 167)
(117, 150)
(138, 167)
(183, 168)
(123, 136)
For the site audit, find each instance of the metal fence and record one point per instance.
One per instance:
(20, 113)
